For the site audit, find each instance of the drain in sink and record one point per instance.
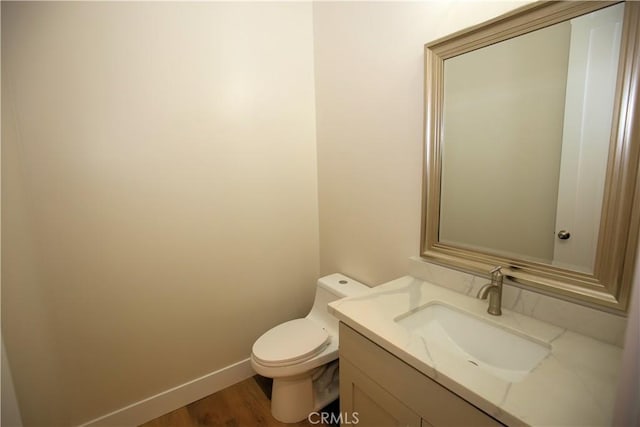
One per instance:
(472, 362)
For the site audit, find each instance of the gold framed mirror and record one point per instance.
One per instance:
(532, 149)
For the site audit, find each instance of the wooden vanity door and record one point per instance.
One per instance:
(364, 400)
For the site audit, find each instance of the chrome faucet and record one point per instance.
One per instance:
(494, 290)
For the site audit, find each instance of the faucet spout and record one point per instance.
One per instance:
(483, 292)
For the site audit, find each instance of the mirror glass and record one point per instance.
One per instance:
(526, 129)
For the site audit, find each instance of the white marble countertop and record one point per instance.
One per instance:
(573, 386)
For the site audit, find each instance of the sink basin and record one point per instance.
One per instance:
(449, 332)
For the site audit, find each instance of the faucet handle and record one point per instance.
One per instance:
(496, 276)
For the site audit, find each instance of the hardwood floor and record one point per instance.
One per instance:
(243, 404)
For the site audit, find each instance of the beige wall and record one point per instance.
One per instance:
(159, 194)
(369, 101)
(159, 180)
(502, 144)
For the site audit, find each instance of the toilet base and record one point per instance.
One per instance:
(294, 398)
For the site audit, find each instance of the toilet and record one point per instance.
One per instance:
(301, 354)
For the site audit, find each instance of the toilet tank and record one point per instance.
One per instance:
(331, 288)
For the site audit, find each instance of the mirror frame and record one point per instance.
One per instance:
(609, 286)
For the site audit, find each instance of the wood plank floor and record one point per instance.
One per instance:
(241, 405)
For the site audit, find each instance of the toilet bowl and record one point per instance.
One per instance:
(301, 354)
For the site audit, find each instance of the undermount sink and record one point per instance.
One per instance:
(449, 332)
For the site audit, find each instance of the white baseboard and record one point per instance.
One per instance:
(174, 398)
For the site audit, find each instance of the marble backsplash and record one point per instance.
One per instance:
(597, 324)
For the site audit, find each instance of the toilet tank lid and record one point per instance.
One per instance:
(340, 285)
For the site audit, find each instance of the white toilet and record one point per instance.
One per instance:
(301, 355)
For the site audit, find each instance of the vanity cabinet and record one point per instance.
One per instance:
(385, 391)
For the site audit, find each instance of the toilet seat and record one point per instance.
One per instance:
(291, 342)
